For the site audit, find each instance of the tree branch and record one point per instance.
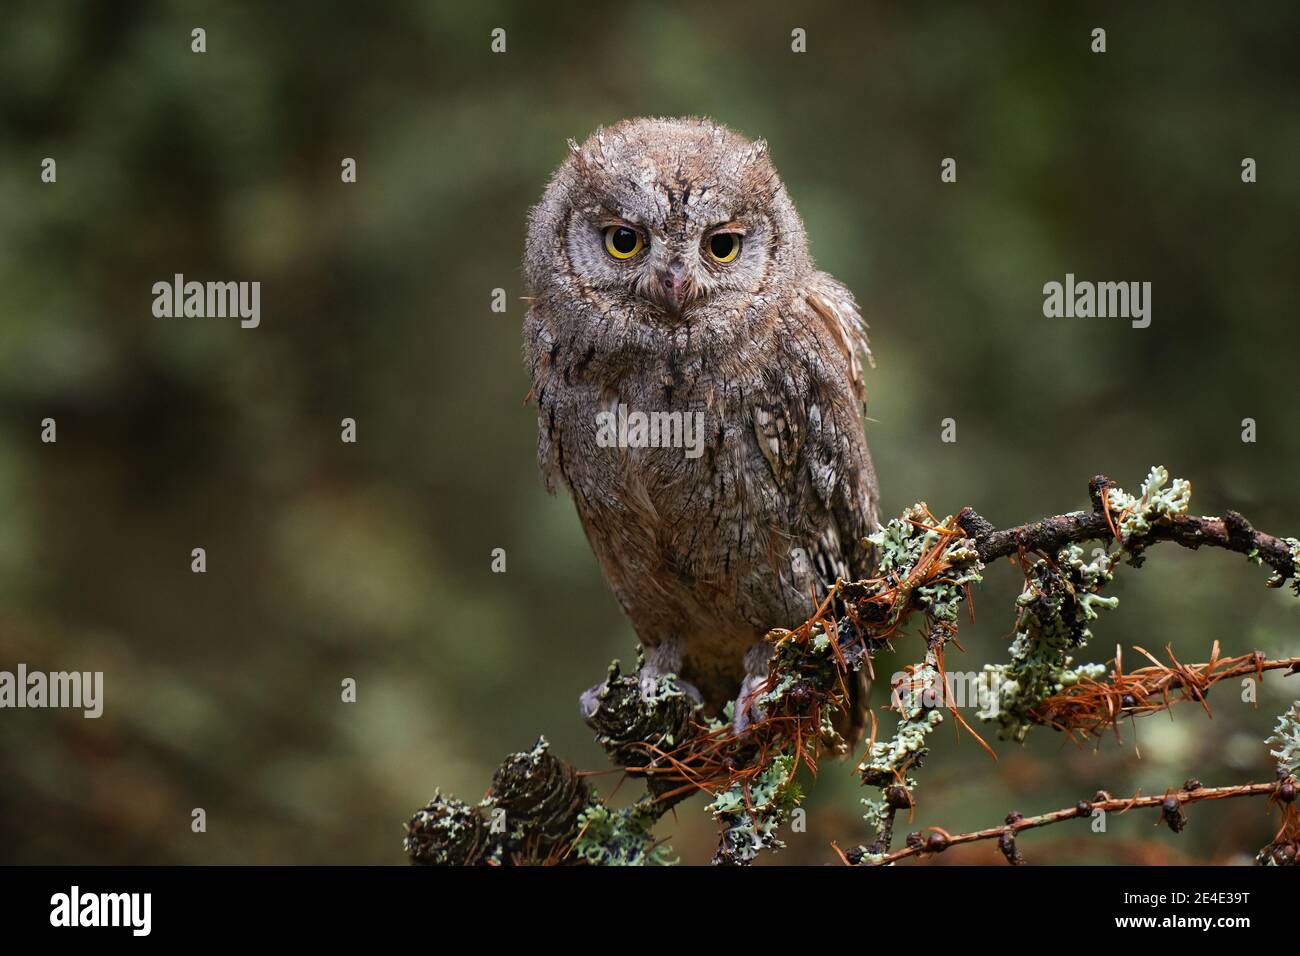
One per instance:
(1170, 808)
(539, 810)
(1048, 535)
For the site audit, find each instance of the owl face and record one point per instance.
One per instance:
(668, 221)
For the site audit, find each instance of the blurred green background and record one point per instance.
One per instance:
(372, 560)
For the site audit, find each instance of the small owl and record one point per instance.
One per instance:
(698, 385)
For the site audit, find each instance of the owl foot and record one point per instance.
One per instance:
(648, 683)
(747, 711)
(649, 677)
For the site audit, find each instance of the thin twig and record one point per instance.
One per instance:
(1082, 809)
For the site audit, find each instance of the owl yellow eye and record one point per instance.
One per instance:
(724, 246)
(623, 242)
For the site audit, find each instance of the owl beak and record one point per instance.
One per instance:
(675, 286)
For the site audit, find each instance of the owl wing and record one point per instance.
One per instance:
(540, 349)
(838, 311)
(810, 430)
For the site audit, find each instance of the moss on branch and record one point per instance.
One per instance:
(539, 810)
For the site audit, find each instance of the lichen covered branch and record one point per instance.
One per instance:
(1048, 535)
(540, 810)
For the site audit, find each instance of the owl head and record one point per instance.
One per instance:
(665, 223)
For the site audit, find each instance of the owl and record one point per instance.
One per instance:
(698, 386)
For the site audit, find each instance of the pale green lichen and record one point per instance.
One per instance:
(1286, 737)
(796, 661)
(754, 807)
(1294, 543)
(1058, 602)
(899, 547)
(888, 763)
(1160, 500)
(620, 837)
(809, 664)
(751, 811)
(906, 749)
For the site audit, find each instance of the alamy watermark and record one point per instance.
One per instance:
(636, 429)
(180, 299)
(83, 690)
(961, 689)
(1102, 300)
(129, 910)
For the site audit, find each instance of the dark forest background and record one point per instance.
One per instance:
(372, 560)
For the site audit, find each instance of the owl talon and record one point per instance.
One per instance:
(747, 711)
(648, 682)
(589, 702)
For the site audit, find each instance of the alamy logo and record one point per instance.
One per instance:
(961, 689)
(75, 908)
(217, 300)
(625, 429)
(1085, 300)
(77, 689)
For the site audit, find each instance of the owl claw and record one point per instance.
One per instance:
(648, 682)
(747, 712)
(589, 702)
